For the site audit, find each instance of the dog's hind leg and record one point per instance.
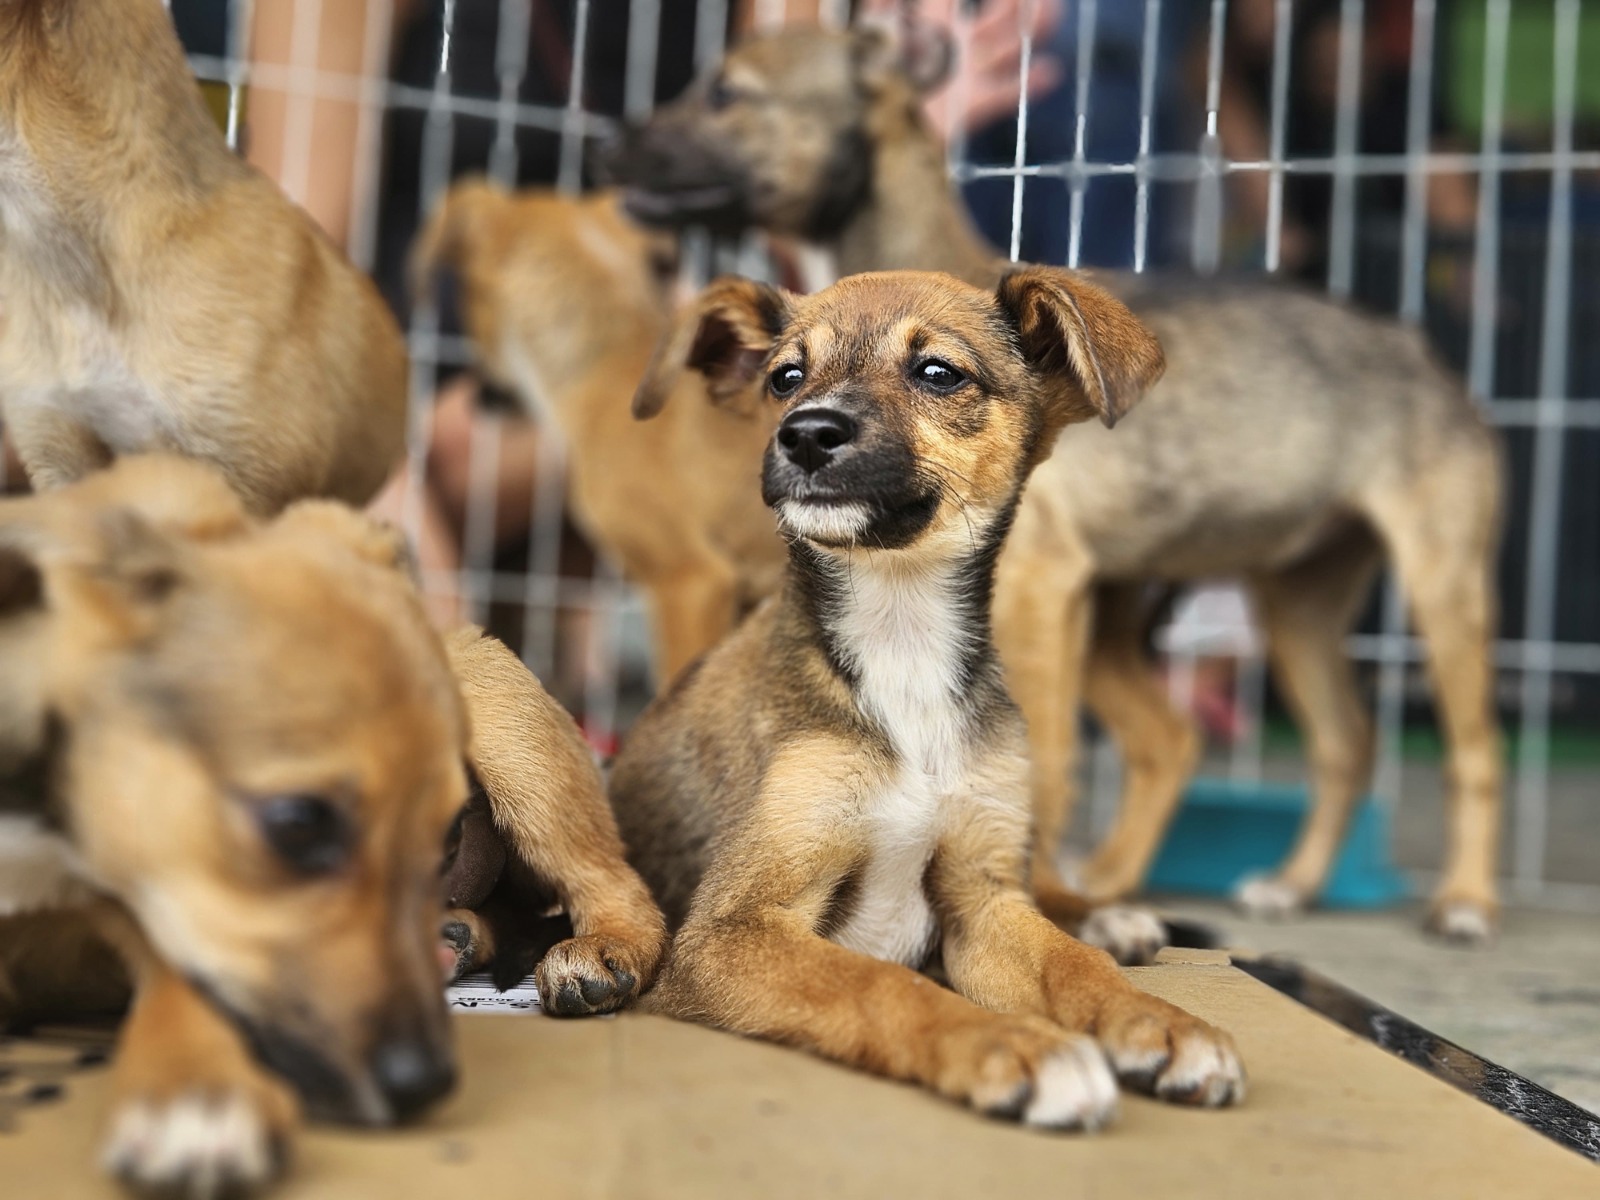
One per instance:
(1043, 608)
(1159, 747)
(1306, 610)
(1443, 532)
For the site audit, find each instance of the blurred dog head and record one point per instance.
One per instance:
(781, 135)
(912, 406)
(251, 738)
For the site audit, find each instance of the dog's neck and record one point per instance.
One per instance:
(911, 218)
(908, 632)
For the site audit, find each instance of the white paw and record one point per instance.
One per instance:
(1462, 921)
(1205, 1071)
(1132, 936)
(195, 1146)
(1073, 1088)
(1264, 896)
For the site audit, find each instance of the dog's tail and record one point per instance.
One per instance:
(447, 236)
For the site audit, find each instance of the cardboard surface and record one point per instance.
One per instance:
(643, 1107)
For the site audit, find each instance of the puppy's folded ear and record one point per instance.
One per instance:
(725, 333)
(444, 241)
(1093, 355)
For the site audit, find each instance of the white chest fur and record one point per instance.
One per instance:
(903, 635)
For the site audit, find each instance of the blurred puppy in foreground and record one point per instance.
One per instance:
(161, 294)
(837, 795)
(244, 745)
(238, 750)
(564, 299)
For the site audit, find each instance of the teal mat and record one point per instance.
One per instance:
(1226, 831)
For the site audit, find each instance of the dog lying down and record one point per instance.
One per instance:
(837, 795)
(238, 748)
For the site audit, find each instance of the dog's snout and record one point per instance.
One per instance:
(412, 1076)
(811, 437)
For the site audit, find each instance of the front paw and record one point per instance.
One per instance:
(592, 974)
(199, 1143)
(1132, 936)
(1270, 897)
(1462, 921)
(1158, 1048)
(1030, 1070)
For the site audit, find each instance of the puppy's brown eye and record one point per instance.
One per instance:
(785, 379)
(311, 834)
(938, 375)
(719, 96)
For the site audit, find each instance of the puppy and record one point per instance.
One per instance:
(158, 292)
(563, 299)
(1296, 444)
(242, 745)
(537, 834)
(838, 793)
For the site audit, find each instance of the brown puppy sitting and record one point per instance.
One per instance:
(838, 793)
(1296, 444)
(159, 293)
(248, 740)
(563, 299)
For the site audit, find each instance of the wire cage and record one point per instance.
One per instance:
(518, 89)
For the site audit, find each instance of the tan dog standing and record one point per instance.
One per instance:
(837, 794)
(564, 301)
(156, 292)
(1295, 443)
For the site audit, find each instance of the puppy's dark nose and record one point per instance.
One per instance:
(412, 1076)
(810, 437)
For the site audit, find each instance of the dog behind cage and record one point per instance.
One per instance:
(1382, 158)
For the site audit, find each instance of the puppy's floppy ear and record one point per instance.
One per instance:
(725, 333)
(1093, 355)
(444, 241)
(921, 52)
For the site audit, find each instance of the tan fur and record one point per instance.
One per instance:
(549, 805)
(160, 294)
(190, 666)
(1287, 425)
(563, 305)
(846, 758)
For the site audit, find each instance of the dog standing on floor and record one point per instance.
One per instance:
(158, 292)
(1295, 443)
(838, 792)
(564, 299)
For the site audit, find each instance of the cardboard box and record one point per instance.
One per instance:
(642, 1107)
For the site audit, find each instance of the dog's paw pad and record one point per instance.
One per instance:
(1269, 898)
(584, 975)
(1073, 1088)
(1132, 936)
(1165, 1052)
(193, 1146)
(1463, 922)
(1204, 1070)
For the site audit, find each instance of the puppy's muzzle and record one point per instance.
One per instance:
(811, 438)
(412, 1074)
